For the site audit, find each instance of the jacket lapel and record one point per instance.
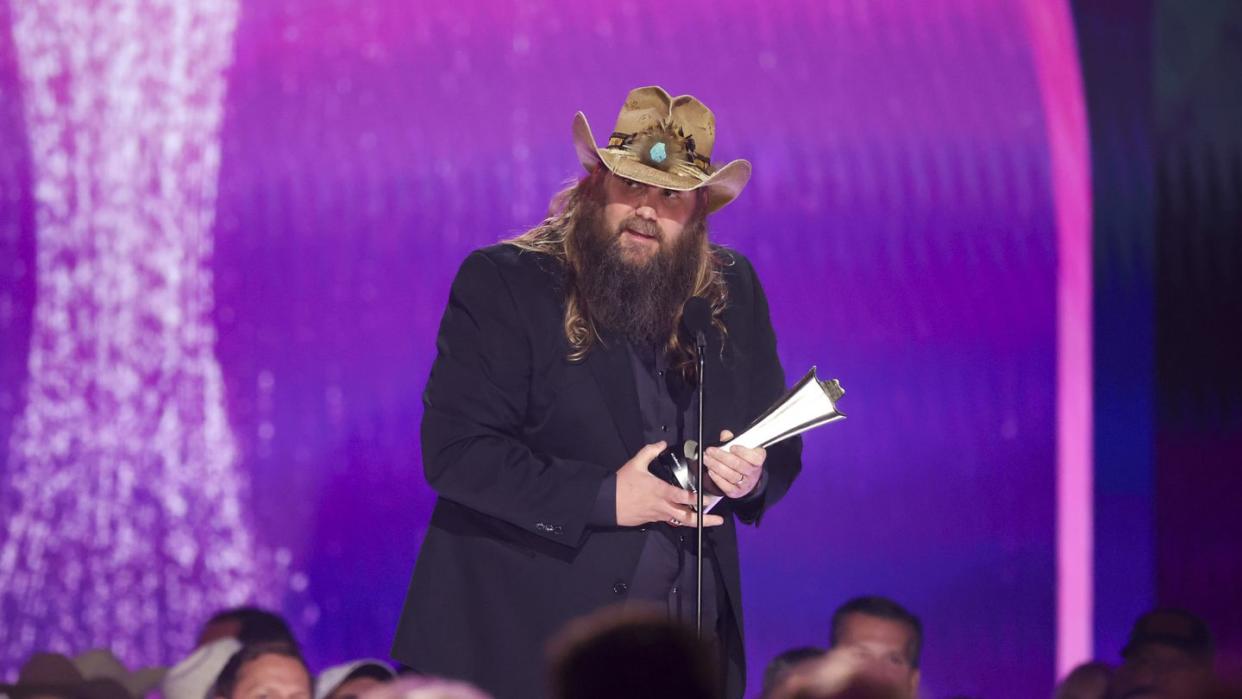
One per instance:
(610, 366)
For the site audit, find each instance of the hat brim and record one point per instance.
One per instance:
(332, 678)
(723, 185)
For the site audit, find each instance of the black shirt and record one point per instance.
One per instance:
(666, 573)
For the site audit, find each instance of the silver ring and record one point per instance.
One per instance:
(675, 522)
(741, 480)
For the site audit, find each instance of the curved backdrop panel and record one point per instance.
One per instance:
(343, 159)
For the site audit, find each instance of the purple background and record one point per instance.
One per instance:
(900, 217)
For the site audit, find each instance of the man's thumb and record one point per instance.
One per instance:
(649, 452)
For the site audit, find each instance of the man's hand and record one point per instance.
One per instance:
(737, 471)
(644, 498)
(835, 674)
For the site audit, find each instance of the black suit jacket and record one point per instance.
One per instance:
(516, 441)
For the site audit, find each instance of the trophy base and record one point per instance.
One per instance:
(676, 469)
(681, 470)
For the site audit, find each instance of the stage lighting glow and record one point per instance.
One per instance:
(124, 507)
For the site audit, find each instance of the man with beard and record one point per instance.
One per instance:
(561, 373)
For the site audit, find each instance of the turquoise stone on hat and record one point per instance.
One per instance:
(658, 153)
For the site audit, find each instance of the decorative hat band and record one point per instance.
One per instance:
(664, 147)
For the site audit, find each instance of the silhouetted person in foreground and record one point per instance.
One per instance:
(1087, 681)
(1169, 655)
(623, 653)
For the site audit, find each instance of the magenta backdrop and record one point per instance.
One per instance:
(901, 216)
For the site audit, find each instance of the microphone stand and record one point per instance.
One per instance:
(700, 341)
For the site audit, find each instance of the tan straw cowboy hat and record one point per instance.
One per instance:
(664, 142)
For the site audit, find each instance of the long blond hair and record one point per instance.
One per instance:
(555, 237)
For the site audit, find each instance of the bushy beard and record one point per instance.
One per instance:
(638, 300)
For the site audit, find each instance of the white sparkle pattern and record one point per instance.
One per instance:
(122, 500)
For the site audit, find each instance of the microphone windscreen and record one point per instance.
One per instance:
(696, 316)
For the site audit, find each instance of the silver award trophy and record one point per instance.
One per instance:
(809, 404)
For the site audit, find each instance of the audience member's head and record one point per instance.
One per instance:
(1169, 655)
(1087, 681)
(351, 680)
(194, 676)
(250, 625)
(55, 676)
(425, 688)
(885, 635)
(620, 652)
(787, 663)
(102, 664)
(267, 670)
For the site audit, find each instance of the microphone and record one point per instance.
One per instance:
(696, 318)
